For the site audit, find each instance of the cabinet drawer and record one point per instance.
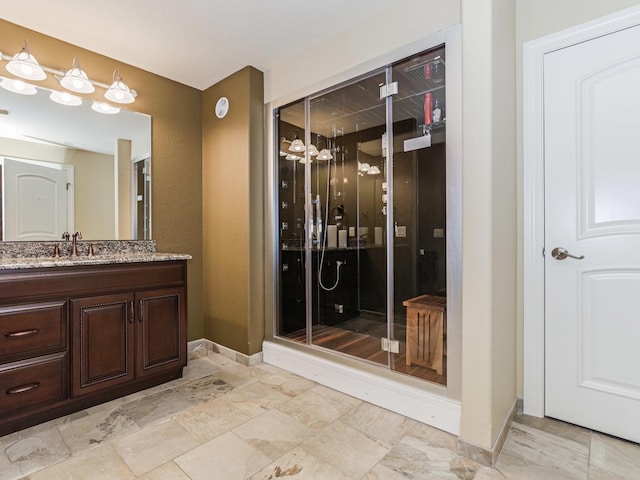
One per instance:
(33, 329)
(28, 383)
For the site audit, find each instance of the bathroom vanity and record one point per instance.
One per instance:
(75, 332)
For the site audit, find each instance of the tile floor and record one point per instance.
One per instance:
(223, 420)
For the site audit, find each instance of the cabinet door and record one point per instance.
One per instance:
(161, 331)
(103, 342)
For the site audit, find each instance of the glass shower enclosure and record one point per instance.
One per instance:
(362, 218)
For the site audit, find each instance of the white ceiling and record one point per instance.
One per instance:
(194, 42)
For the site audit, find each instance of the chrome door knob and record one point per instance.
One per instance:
(560, 253)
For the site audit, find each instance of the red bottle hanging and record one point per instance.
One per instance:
(427, 109)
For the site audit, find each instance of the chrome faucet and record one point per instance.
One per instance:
(74, 243)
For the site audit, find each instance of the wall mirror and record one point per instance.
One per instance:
(66, 168)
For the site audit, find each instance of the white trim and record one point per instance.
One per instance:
(533, 189)
(412, 402)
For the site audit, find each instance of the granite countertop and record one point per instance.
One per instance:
(13, 263)
(21, 255)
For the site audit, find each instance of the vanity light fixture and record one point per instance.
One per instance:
(118, 91)
(25, 65)
(65, 98)
(104, 108)
(18, 86)
(324, 154)
(76, 80)
(297, 146)
(313, 151)
(292, 156)
(374, 170)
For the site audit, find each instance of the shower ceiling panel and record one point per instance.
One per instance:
(351, 110)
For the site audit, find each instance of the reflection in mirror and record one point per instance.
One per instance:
(65, 168)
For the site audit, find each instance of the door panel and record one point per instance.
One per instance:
(35, 201)
(103, 343)
(592, 209)
(161, 331)
(419, 216)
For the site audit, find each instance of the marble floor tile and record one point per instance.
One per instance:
(319, 406)
(273, 433)
(203, 389)
(615, 455)
(215, 417)
(597, 473)
(153, 446)
(220, 360)
(156, 408)
(168, 471)
(112, 404)
(417, 459)
(226, 457)
(514, 467)
(434, 437)
(346, 448)
(380, 472)
(486, 473)
(198, 368)
(102, 463)
(90, 431)
(260, 394)
(289, 383)
(528, 450)
(226, 420)
(31, 450)
(239, 375)
(299, 464)
(556, 427)
(383, 426)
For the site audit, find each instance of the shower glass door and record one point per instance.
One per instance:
(291, 263)
(362, 218)
(418, 219)
(349, 262)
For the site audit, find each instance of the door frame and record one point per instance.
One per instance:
(533, 191)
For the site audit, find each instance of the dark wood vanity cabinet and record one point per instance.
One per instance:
(121, 337)
(73, 337)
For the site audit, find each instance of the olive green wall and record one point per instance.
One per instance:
(176, 154)
(233, 223)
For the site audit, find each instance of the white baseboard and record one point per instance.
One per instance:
(420, 405)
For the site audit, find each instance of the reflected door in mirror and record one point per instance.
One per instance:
(36, 200)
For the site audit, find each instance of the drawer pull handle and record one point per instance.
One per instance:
(23, 388)
(23, 333)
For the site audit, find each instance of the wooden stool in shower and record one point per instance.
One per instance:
(426, 329)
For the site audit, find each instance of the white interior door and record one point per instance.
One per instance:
(592, 208)
(35, 201)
